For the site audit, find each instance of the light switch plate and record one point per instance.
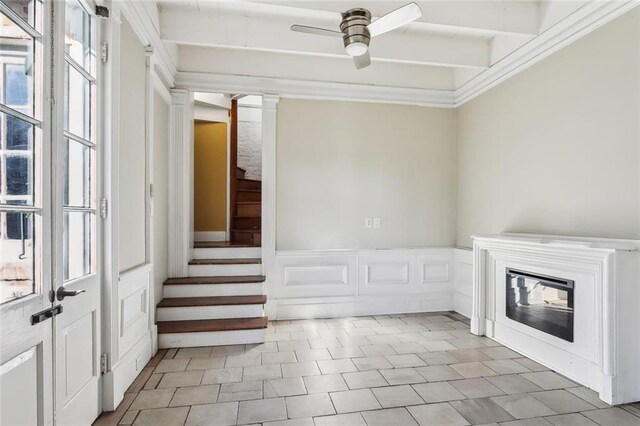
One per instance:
(376, 222)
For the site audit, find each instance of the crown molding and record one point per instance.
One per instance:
(289, 88)
(139, 19)
(575, 26)
(580, 23)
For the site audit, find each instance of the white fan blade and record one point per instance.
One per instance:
(392, 20)
(315, 30)
(362, 61)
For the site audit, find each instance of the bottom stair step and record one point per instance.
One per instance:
(193, 333)
(215, 307)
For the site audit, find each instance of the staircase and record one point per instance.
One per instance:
(246, 223)
(221, 302)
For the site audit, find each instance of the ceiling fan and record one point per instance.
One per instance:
(357, 29)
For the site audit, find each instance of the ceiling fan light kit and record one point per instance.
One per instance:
(357, 29)
(355, 33)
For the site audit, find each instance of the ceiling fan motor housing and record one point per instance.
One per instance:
(354, 27)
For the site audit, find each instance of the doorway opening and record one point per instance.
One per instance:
(227, 170)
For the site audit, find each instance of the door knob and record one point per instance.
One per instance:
(62, 293)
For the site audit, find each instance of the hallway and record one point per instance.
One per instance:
(424, 369)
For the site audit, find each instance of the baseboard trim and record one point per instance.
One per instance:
(332, 307)
(462, 304)
(123, 373)
(210, 236)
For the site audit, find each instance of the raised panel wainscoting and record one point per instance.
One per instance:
(463, 281)
(332, 283)
(135, 336)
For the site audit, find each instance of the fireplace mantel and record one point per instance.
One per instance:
(605, 354)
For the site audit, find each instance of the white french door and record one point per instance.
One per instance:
(26, 339)
(49, 236)
(76, 237)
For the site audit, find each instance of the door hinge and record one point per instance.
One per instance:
(103, 364)
(104, 208)
(102, 12)
(104, 52)
(46, 314)
(151, 190)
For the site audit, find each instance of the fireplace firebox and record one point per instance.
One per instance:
(542, 302)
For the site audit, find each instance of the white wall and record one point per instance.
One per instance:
(556, 148)
(250, 137)
(339, 162)
(131, 151)
(160, 182)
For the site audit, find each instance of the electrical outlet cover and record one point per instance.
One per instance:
(368, 222)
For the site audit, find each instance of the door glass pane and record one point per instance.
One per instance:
(77, 188)
(16, 161)
(24, 9)
(77, 103)
(78, 35)
(16, 59)
(16, 255)
(19, 134)
(19, 176)
(77, 243)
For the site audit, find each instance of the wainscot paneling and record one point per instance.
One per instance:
(135, 333)
(331, 283)
(133, 318)
(315, 275)
(462, 281)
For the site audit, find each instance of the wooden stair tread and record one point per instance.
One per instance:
(179, 302)
(238, 279)
(208, 325)
(240, 261)
(248, 190)
(222, 244)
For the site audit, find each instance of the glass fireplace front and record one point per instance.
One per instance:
(542, 302)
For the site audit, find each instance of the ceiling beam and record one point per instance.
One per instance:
(217, 60)
(478, 17)
(220, 28)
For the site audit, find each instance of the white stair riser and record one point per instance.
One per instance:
(228, 253)
(201, 290)
(209, 312)
(212, 338)
(224, 270)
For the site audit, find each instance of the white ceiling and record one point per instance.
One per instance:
(453, 42)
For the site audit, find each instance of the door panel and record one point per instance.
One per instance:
(19, 389)
(77, 388)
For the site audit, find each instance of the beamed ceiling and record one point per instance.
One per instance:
(453, 43)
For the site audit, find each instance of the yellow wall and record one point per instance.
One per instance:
(210, 176)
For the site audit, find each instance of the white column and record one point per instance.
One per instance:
(180, 182)
(269, 125)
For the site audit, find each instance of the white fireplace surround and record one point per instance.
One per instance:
(605, 353)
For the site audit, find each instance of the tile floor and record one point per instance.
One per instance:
(416, 369)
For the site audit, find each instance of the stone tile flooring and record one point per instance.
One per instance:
(415, 369)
